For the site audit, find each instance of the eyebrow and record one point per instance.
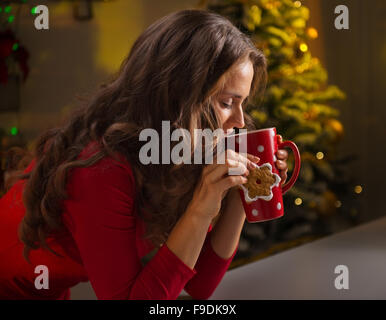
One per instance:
(234, 95)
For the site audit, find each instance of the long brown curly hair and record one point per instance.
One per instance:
(172, 72)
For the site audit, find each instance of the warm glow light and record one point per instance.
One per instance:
(320, 155)
(358, 189)
(123, 19)
(338, 204)
(14, 131)
(312, 32)
(298, 201)
(297, 4)
(303, 47)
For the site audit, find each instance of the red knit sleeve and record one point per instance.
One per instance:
(210, 268)
(100, 216)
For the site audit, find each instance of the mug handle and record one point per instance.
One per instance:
(296, 170)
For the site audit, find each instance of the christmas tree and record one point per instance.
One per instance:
(298, 102)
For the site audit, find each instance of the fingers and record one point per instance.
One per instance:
(282, 154)
(246, 162)
(231, 181)
(221, 160)
(249, 160)
(220, 170)
(283, 176)
(234, 156)
(252, 158)
(281, 165)
(236, 164)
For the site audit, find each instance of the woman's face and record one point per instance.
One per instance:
(230, 101)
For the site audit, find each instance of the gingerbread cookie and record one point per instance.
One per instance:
(260, 182)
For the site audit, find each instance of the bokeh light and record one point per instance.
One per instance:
(303, 47)
(358, 189)
(320, 155)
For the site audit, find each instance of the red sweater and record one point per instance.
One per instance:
(103, 245)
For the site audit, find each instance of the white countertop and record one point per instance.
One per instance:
(307, 272)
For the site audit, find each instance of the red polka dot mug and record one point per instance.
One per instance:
(267, 203)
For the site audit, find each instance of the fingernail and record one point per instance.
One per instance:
(254, 164)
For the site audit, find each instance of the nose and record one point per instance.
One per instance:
(238, 117)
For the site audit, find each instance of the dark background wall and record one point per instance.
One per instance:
(356, 62)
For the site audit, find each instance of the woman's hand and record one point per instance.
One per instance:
(215, 183)
(281, 163)
(188, 235)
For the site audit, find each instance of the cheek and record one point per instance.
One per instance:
(224, 116)
(223, 113)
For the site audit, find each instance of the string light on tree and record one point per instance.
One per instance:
(320, 155)
(338, 204)
(313, 113)
(272, 5)
(358, 189)
(312, 33)
(297, 4)
(303, 47)
(335, 127)
(298, 201)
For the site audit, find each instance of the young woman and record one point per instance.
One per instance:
(87, 209)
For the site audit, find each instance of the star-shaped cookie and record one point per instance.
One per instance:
(260, 182)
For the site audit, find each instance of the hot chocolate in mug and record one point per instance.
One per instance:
(263, 198)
